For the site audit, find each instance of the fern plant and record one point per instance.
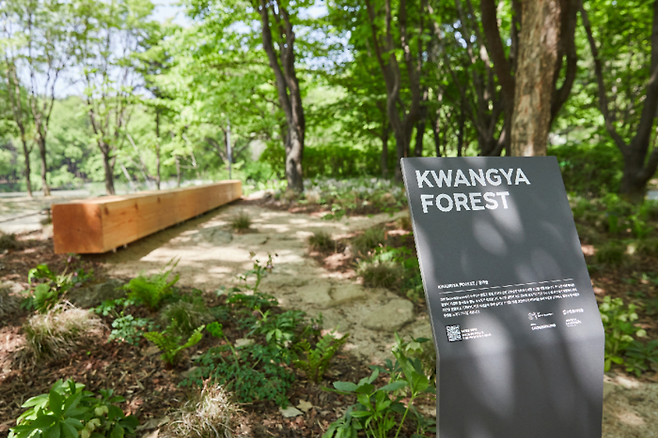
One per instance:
(318, 358)
(169, 343)
(153, 289)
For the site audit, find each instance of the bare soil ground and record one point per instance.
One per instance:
(211, 256)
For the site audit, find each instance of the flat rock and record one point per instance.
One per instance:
(91, 297)
(346, 293)
(316, 293)
(390, 317)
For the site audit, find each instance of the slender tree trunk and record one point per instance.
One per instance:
(158, 177)
(108, 168)
(436, 132)
(44, 167)
(178, 174)
(460, 133)
(420, 130)
(386, 132)
(538, 44)
(26, 156)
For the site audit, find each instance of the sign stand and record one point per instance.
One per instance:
(518, 335)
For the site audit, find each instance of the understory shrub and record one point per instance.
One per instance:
(61, 331)
(364, 243)
(184, 317)
(380, 273)
(210, 414)
(68, 411)
(321, 241)
(620, 329)
(589, 170)
(170, 343)
(152, 290)
(611, 253)
(381, 411)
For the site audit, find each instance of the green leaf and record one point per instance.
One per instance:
(117, 432)
(53, 432)
(394, 386)
(345, 386)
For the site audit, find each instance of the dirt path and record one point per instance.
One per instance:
(212, 256)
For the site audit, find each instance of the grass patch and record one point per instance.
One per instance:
(366, 242)
(380, 273)
(60, 331)
(321, 241)
(611, 253)
(185, 317)
(8, 241)
(210, 414)
(241, 222)
(9, 304)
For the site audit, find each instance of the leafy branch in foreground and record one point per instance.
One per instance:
(318, 358)
(69, 412)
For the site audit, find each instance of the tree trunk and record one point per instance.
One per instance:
(26, 156)
(460, 133)
(420, 131)
(386, 132)
(534, 83)
(44, 167)
(109, 172)
(436, 132)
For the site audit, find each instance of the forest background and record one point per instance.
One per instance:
(104, 94)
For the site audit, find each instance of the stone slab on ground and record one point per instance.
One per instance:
(391, 316)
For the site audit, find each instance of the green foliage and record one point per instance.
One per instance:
(364, 243)
(68, 411)
(258, 272)
(152, 290)
(280, 330)
(184, 317)
(379, 410)
(170, 343)
(321, 241)
(128, 329)
(619, 329)
(241, 222)
(611, 253)
(590, 170)
(46, 294)
(341, 161)
(648, 247)
(253, 372)
(255, 301)
(317, 359)
(380, 273)
(640, 356)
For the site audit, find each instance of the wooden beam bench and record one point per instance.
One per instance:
(102, 224)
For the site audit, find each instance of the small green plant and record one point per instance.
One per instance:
(169, 343)
(619, 329)
(280, 329)
(210, 414)
(128, 329)
(640, 356)
(317, 359)
(68, 411)
(378, 410)
(152, 290)
(258, 271)
(252, 372)
(241, 222)
(369, 240)
(186, 316)
(321, 241)
(648, 247)
(60, 331)
(611, 253)
(47, 288)
(255, 301)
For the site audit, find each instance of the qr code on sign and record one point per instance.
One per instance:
(454, 333)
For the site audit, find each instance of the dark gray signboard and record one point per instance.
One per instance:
(518, 334)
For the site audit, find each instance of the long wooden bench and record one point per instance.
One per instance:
(102, 224)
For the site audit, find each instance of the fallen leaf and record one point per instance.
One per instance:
(290, 412)
(304, 406)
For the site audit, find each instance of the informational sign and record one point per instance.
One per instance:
(516, 326)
